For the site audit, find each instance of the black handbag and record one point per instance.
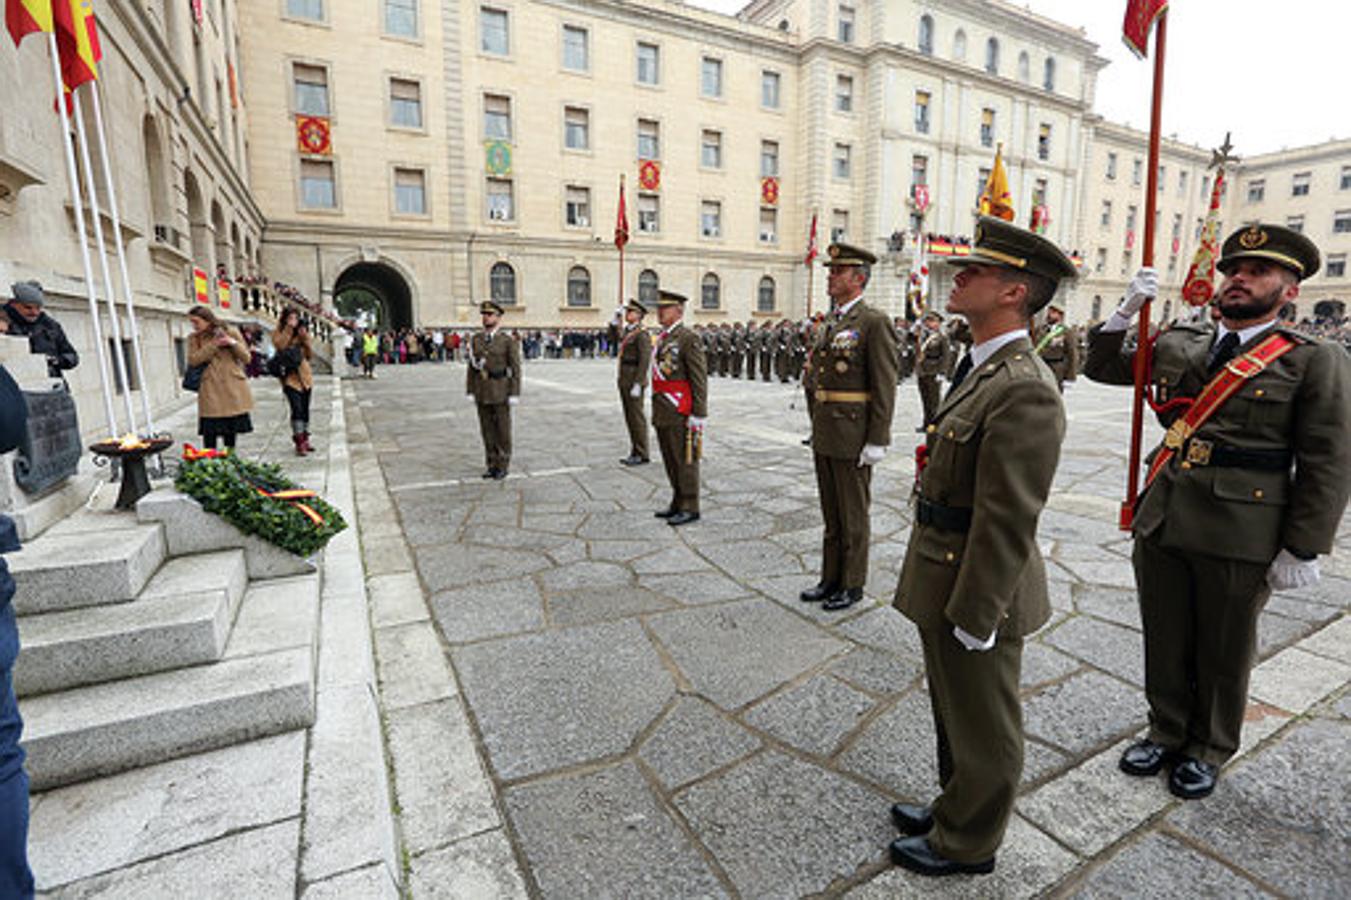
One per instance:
(13, 412)
(192, 378)
(284, 362)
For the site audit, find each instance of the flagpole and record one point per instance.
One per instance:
(1142, 348)
(621, 246)
(811, 270)
(81, 238)
(127, 295)
(114, 327)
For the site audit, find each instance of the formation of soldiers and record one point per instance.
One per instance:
(774, 350)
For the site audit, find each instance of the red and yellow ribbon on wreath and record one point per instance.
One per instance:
(294, 497)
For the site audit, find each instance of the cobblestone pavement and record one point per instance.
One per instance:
(592, 704)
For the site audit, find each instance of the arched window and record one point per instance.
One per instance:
(647, 288)
(926, 35)
(992, 56)
(502, 283)
(1024, 67)
(160, 211)
(710, 294)
(959, 46)
(1048, 75)
(579, 286)
(764, 300)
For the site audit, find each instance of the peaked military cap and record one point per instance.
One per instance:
(490, 306)
(636, 306)
(28, 292)
(932, 314)
(1003, 244)
(838, 254)
(671, 298)
(1270, 242)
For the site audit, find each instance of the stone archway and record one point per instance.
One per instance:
(1329, 309)
(374, 293)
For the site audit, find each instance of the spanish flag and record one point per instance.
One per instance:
(995, 200)
(23, 17)
(77, 40)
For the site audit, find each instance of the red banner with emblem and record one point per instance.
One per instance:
(313, 135)
(649, 175)
(1139, 24)
(200, 286)
(1199, 285)
(769, 190)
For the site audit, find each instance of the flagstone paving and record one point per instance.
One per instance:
(661, 717)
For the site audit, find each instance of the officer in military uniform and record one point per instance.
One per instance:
(973, 580)
(752, 349)
(494, 385)
(737, 342)
(931, 363)
(679, 406)
(635, 356)
(854, 368)
(1058, 346)
(767, 342)
(1245, 492)
(783, 354)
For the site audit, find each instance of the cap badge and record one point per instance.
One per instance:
(1253, 238)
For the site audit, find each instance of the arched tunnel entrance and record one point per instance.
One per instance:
(374, 294)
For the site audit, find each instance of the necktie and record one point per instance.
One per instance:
(1223, 351)
(963, 369)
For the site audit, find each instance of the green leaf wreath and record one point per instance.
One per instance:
(229, 487)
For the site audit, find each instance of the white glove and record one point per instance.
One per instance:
(696, 423)
(636, 391)
(512, 401)
(972, 642)
(618, 316)
(871, 455)
(469, 397)
(1288, 572)
(1144, 286)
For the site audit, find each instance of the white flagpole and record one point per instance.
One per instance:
(99, 349)
(114, 327)
(127, 295)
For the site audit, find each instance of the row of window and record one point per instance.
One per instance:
(986, 133)
(1138, 176)
(1341, 221)
(399, 17)
(1334, 265)
(319, 188)
(502, 285)
(992, 51)
(1300, 182)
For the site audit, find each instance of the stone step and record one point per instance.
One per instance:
(88, 568)
(181, 618)
(93, 731)
(190, 529)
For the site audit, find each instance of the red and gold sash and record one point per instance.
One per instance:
(1223, 386)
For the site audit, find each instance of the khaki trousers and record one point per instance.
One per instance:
(636, 421)
(684, 477)
(930, 395)
(845, 489)
(494, 424)
(1200, 625)
(979, 722)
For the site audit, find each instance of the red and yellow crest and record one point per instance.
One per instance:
(769, 190)
(313, 135)
(649, 175)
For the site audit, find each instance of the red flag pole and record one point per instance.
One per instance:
(624, 214)
(1146, 259)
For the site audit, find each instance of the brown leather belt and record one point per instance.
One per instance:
(823, 396)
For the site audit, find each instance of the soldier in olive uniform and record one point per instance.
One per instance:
(635, 356)
(494, 385)
(767, 342)
(1238, 503)
(737, 343)
(854, 369)
(973, 580)
(783, 350)
(679, 406)
(752, 349)
(931, 363)
(1058, 346)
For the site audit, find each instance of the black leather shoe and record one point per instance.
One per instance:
(489, 473)
(843, 598)
(1144, 758)
(665, 513)
(682, 518)
(1193, 779)
(806, 442)
(912, 818)
(500, 474)
(633, 460)
(818, 593)
(915, 854)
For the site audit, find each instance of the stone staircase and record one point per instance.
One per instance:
(155, 635)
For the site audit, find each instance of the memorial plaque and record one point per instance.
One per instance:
(51, 450)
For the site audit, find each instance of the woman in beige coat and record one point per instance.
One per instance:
(224, 399)
(297, 384)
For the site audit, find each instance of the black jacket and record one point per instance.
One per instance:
(46, 336)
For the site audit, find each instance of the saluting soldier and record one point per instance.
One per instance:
(494, 385)
(854, 368)
(1245, 492)
(1058, 346)
(635, 357)
(973, 580)
(679, 406)
(932, 363)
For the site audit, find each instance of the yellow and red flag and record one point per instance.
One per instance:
(811, 242)
(23, 17)
(1139, 24)
(77, 41)
(996, 200)
(621, 220)
(1200, 284)
(200, 286)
